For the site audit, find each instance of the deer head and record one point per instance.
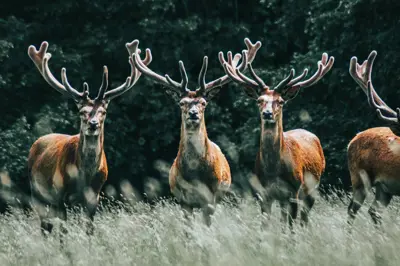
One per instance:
(271, 101)
(194, 102)
(92, 111)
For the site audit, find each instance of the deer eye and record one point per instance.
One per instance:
(260, 101)
(181, 104)
(281, 102)
(102, 111)
(203, 103)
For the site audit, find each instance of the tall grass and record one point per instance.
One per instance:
(160, 235)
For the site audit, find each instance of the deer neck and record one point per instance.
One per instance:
(90, 153)
(271, 145)
(194, 141)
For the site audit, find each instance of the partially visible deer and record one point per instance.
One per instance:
(200, 172)
(288, 164)
(69, 170)
(374, 154)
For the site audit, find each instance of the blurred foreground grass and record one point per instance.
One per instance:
(159, 235)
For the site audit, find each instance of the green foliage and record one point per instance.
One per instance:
(142, 127)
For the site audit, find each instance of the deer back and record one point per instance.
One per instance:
(375, 151)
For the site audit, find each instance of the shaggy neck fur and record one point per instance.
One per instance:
(193, 143)
(271, 145)
(89, 154)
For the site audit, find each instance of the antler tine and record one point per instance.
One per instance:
(235, 73)
(362, 75)
(85, 89)
(371, 100)
(284, 82)
(386, 118)
(292, 85)
(104, 84)
(202, 75)
(259, 81)
(135, 74)
(251, 53)
(232, 62)
(132, 48)
(237, 76)
(323, 67)
(300, 77)
(166, 81)
(184, 76)
(41, 60)
(73, 93)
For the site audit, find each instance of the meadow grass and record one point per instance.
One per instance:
(141, 234)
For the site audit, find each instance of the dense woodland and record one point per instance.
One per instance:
(142, 127)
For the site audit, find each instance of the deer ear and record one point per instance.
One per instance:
(173, 94)
(211, 93)
(290, 93)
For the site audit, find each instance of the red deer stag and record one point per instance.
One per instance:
(288, 164)
(373, 155)
(69, 170)
(200, 172)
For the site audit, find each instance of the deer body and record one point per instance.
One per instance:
(77, 164)
(373, 155)
(71, 170)
(289, 164)
(200, 173)
(199, 160)
(287, 159)
(373, 158)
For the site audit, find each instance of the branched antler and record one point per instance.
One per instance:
(362, 75)
(41, 59)
(288, 87)
(182, 89)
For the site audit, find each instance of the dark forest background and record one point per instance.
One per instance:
(142, 127)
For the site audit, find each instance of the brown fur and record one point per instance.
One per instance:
(374, 161)
(56, 152)
(58, 176)
(200, 174)
(370, 151)
(299, 152)
(289, 164)
(213, 166)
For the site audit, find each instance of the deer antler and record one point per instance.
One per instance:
(181, 88)
(393, 116)
(41, 59)
(362, 75)
(247, 55)
(288, 87)
(135, 74)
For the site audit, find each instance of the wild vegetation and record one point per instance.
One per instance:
(140, 235)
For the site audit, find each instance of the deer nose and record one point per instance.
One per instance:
(267, 115)
(193, 113)
(93, 123)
